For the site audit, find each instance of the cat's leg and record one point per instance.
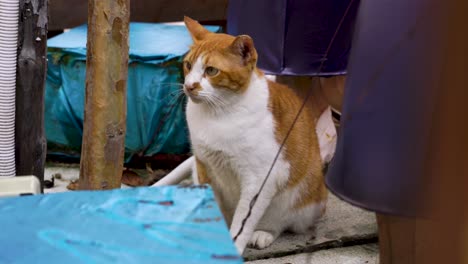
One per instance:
(240, 231)
(272, 224)
(304, 220)
(201, 172)
(262, 239)
(200, 176)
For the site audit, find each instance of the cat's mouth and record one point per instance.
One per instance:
(193, 97)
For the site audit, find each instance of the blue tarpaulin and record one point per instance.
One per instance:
(155, 118)
(142, 225)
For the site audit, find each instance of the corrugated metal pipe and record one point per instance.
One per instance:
(9, 13)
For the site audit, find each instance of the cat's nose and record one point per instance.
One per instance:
(192, 87)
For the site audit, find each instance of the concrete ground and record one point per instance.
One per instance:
(363, 254)
(345, 235)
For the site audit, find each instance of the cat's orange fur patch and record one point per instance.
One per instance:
(301, 148)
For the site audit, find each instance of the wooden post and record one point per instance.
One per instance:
(106, 87)
(30, 84)
(442, 236)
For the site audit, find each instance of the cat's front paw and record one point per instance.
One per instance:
(261, 239)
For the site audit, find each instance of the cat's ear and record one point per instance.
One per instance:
(243, 46)
(197, 31)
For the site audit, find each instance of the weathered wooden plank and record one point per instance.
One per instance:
(106, 88)
(30, 87)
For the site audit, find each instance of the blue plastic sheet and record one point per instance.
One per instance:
(142, 225)
(155, 119)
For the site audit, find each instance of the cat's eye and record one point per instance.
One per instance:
(211, 71)
(188, 65)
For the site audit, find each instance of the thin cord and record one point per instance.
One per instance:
(309, 93)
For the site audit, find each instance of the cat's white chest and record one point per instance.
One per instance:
(230, 134)
(231, 144)
(245, 129)
(241, 138)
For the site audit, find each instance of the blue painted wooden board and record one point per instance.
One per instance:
(141, 225)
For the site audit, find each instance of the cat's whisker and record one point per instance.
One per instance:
(169, 84)
(213, 105)
(216, 104)
(210, 104)
(208, 101)
(177, 91)
(208, 98)
(219, 101)
(219, 105)
(176, 100)
(174, 94)
(180, 98)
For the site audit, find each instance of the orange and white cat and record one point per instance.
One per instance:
(237, 120)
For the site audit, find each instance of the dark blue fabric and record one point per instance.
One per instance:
(388, 106)
(292, 36)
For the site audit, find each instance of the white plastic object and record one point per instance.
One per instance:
(327, 137)
(19, 186)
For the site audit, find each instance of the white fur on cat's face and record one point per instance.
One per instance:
(215, 97)
(196, 76)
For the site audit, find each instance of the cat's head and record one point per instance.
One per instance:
(218, 66)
